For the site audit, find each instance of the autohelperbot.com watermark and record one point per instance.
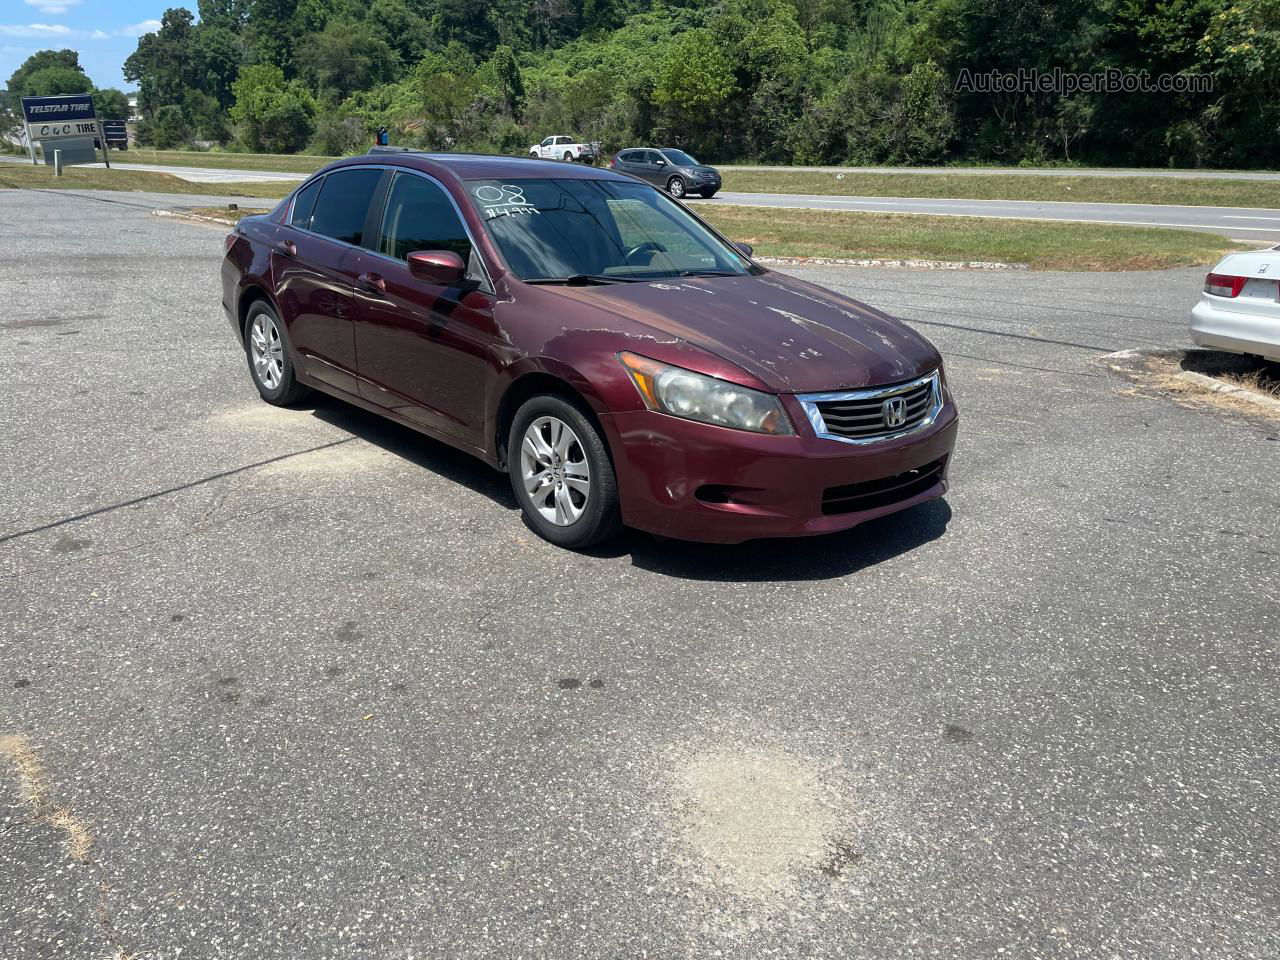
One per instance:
(1057, 80)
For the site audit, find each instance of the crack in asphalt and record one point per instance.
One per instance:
(53, 525)
(37, 791)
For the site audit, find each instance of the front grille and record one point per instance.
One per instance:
(871, 494)
(866, 416)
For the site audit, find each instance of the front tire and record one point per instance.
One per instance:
(675, 187)
(266, 347)
(707, 194)
(561, 474)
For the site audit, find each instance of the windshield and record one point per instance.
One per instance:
(607, 229)
(679, 158)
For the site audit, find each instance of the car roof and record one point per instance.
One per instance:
(481, 166)
(625, 149)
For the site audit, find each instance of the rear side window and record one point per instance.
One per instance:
(419, 216)
(344, 203)
(304, 203)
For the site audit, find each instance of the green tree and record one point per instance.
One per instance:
(345, 57)
(927, 123)
(110, 104)
(506, 74)
(403, 30)
(47, 73)
(164, 66)
(63, 62)
(1241, 49)
(694, 75)
(272, 115)
(170, 128)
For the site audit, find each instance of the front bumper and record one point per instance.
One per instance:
(694, 481)
(1220, 329)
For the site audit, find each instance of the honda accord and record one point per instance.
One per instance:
(621, 360)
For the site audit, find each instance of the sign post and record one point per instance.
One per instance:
(64, 118)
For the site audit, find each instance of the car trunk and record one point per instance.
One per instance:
(1260, 295)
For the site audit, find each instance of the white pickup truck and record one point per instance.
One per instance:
(563, 148)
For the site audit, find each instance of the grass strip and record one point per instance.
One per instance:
(1164, 190)
(17, 177)
(1040, 245)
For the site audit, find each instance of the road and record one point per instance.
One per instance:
(301, 684)
(1033, 172)
(1254, 225)
(1260, 225)
(194, 174)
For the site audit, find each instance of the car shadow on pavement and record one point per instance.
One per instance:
(799, 558)
(418, 449)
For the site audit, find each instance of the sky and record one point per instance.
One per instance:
(104, 32)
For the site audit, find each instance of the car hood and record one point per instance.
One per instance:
(792, 336)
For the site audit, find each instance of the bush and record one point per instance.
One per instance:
(272, 116)
(170, 128)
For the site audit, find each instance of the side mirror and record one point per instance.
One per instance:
(660, 162)
(745, 249)
(441, 267)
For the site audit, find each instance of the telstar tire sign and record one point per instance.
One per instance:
(59, 118)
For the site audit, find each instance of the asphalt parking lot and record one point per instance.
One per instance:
(306, 686)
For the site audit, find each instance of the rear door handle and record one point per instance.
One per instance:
(287, 247)
(373, 281)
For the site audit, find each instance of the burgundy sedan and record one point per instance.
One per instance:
(621, 360)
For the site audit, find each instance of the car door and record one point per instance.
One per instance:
(628, 162)
(544, 148)
(661, 168)
(311, 272)
(424, 349)
(648, 167)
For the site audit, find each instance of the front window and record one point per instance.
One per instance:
(557, 230)
(680, 158)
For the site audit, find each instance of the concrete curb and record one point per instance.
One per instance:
(898, 264)
(1270, 404)
(197, 217)
(1124, 361)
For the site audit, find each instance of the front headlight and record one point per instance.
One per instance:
(683, 393)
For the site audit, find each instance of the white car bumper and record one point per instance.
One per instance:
(1219, 329)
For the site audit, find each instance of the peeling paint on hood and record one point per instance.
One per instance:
(793, 336)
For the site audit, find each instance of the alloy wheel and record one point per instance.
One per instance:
(555, 472)
(676, 187)
(266, 351)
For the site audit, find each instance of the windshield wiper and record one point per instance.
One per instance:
(707, 273)
(581, 280)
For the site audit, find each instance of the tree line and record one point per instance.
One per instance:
(773, 81)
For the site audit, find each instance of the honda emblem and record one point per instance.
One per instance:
(894, 411)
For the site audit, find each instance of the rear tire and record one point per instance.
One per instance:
(675, 187)
(266, 347)
(568, 156)
(561, 474)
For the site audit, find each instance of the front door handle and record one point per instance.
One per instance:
(287, 247)
(373, 281)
